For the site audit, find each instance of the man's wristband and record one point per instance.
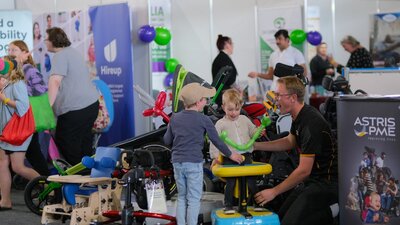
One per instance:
(6, 100)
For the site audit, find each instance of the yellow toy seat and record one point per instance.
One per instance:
(244, 216)
(241, 172)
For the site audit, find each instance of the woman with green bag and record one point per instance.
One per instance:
(37, 88)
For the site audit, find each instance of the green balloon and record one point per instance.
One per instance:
(171, 64)
(4, 71)
(298, 36)
(163, 36)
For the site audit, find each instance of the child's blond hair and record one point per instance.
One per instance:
(232, 96)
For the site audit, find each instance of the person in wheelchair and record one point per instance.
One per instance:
(240, 129)
(185, 133)
(314, 197)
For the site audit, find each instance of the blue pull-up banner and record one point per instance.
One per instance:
(113, 50)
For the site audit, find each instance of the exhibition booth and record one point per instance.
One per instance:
(144, 50)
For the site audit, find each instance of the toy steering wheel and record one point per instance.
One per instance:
(158, 107)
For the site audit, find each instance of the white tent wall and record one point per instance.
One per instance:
(353, 18)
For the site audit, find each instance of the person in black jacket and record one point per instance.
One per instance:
(225, 47)
(320, 65)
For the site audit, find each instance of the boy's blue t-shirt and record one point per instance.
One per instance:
(186, 132)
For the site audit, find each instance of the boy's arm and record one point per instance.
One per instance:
(168, 136)
(213, 135)
(214, 152)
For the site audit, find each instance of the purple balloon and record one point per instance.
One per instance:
(314, 38)
(147, 33)
(168, 80)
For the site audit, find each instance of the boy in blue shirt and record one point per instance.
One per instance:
(186, 134)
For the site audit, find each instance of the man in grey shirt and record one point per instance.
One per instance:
(73, 96)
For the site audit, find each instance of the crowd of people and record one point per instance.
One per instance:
(74, 100)
(72, 95)
(315, 180)
(373, 190)
(320, 65)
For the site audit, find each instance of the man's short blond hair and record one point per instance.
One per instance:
(232, 96)
(294, 86)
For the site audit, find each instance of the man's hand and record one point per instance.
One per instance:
(330, 71)
(263, 133)
(253, 74)
(236, 157)
(265, 196)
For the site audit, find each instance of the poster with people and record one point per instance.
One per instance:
(369, 156)
(112, 62)
(74, 23)
(385, 39)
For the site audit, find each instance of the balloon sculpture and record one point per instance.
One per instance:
(314, 38)
(6, 67)
(1, 64)
(171, 64)
(147, 33)
(163, 36)
(158, 107)
(297, 36)
(224, 136)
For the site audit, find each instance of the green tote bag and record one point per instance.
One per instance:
(42, 112)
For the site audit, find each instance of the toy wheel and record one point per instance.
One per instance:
(32, 191)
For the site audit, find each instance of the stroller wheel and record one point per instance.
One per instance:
(32, 196)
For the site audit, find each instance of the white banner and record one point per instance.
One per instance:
(15, 25)
(269, 21)
(160, 16)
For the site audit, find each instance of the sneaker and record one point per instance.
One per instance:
(229, 210)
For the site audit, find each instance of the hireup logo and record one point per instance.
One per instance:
(110, 51)
(110, 54)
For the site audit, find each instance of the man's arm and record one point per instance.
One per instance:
(297, 176)
(54, 86)
(268, 75)
(305, 69)
(282, 144)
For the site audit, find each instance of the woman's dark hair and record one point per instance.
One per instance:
(58, 37)
(282, 32)
(221, 41)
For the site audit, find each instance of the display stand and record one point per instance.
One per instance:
(368, 127)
